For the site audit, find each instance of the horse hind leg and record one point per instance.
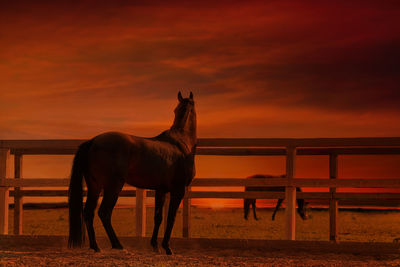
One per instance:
(246, 207)
(105, 211)
(88, 213)
(158, 216)
(254, 209)
(278, 205)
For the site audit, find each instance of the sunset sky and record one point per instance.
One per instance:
(74, 69)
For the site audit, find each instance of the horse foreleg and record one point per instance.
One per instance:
(278, 205)
(158, 216)
(105, 211)
(174, 203)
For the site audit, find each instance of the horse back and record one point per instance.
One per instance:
(265, 188)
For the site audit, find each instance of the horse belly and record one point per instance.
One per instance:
(108, 169)
(149, 174)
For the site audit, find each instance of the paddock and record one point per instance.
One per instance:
(18, 186)
(52, 251)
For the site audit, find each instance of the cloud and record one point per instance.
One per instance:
(240, 58)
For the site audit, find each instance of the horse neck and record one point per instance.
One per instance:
(186, 139)
(185, 133)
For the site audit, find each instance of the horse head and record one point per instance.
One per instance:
(185, 122)
(303, 209)
(185, 114)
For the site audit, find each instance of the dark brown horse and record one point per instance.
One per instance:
(301, 209)
(164, 163)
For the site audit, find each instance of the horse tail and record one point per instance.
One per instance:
(75, 196)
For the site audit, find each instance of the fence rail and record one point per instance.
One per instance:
(288, 147)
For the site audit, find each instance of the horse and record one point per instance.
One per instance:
(302, 206)
(164, 163)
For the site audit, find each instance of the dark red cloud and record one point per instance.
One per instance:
(249, 63)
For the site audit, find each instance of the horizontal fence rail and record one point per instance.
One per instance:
(229, 182)
(228, 194)
(18, 187)
(235, 146)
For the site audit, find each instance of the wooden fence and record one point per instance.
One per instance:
(288, 147)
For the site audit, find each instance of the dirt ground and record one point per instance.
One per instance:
(52, 251)
(219, 239)
(358, 226)
(203, 257)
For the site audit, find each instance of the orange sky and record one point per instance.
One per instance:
(276, 69)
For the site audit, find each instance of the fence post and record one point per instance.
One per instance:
(186, 213)
(18, 198)
(140, 212)
(165, 210)
(333, 203)
(290, 194)
(4, 191)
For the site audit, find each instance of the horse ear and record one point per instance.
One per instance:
(191, 96)
(180, 98)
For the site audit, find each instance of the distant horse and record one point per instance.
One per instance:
(164, 163)
(302, 206)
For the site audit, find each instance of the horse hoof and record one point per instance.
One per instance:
(155, 248)
(96, 249)
(168, 251)
(154, 245)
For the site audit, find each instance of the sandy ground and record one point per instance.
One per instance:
(358, 226)
(52, 252)
(203, 257)
(358, 232)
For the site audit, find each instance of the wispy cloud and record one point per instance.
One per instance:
(249, 63)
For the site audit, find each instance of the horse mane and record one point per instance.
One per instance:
(169, 137)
